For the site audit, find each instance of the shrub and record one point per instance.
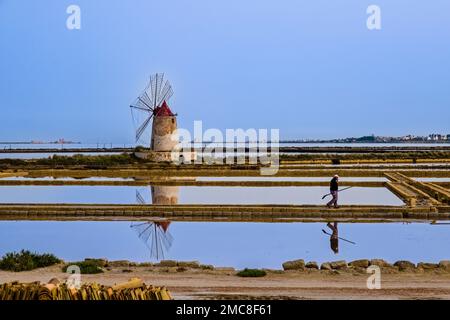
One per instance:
(336, 161)
(86, 267)
(400, 155)
(26, 260)
(251, 273)
(140, 149)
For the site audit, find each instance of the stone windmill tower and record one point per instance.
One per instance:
(152, 104)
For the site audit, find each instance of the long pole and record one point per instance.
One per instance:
(338, 237)
(338, 191)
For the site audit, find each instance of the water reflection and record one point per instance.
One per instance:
(334, 237)
(193, 195)
(248, 247)
(155, 234)
(165, 195)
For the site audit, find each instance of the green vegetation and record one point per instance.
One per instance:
(89, 162)
(368, 139)
(78, 159)
(336, 157)
(103, 162)
(141, 149)
(89, 266)
(26, 260)
(253, 273)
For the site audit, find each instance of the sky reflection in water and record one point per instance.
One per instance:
(231, 244)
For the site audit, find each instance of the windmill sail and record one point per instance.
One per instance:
(166, 93)
(142, 128)
(155, 236)
(139, 198)
(154, 95)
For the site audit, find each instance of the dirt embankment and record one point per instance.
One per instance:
(222, 283)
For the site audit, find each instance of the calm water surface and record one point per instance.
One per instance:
(258, 245)
(240, 178)
(48, 155)
(193, 195)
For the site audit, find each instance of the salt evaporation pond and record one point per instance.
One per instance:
(193, 195)
(240, 245)
(433, 179)
(26, 178)
(33, 155)
(248, 178)
(97, 145)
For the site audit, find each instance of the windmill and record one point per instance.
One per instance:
(153, 104)
(155, 234)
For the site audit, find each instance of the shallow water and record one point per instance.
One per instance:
(257, 245)
(38, 155)
(433, 179)
(372, 145)
(374, 165)
(48, 155)
(65, 146)
(26, 178)
(240, 178)
(192, 195)
(284, 144)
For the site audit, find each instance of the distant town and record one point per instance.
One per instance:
(59, 141)
(431, 138)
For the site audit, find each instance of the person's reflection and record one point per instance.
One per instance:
(334, 238)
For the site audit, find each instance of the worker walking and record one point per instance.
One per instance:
(334, 187)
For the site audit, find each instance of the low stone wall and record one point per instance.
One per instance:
(340, 266)
(213, 212)
(362, 265)
(164, 156)
(155, 170)
(187, 182)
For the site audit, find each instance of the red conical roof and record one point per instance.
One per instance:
(163, 224)
(163, 111)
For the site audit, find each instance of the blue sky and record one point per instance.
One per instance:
(310, 68)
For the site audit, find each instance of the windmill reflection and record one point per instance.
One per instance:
(155, 234)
